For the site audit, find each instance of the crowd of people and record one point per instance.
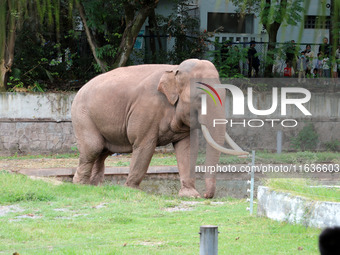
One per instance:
(307, 63)
(297, 63)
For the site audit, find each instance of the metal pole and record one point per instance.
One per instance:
(251, 182)
(208, 240)
(279, 142)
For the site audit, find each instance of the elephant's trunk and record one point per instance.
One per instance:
(237, 151)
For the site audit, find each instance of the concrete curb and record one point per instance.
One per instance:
(282, 206)
(67, 172)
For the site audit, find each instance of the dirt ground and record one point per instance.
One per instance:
(16, 165)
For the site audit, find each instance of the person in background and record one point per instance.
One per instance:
(288, 71)
(225, 50)
(302, 67)
(337, 59)
(317, 63)
(253, 60)
(334, 66)
(326, 67)
(324, 47)
(291, 57)
(309, 58)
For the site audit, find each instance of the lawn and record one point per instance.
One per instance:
(39, 217)
(307, 188)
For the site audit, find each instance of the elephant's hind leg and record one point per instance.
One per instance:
(90, 150)
(98, 169)
(84, 170)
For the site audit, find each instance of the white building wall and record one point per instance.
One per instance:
(286, 33)
(299, 34)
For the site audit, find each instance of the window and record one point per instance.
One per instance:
(231, 22)
(319, 22)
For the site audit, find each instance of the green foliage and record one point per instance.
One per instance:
(307, 139)
(280, 11)
(105, 18)
(190, 42)
(333, 145)
(306, 157)
(273, 14)
(227, 62)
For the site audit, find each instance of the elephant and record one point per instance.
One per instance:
(137, 108)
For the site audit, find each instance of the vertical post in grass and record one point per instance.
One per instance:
(279, 142)
(251, 182)
(208, 240)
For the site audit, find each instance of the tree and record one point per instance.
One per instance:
(120, 35)
(90, 38)
(334, 28)
(189, 41)
(273, 14)
(12, 15)
(136, 13)
(10, 12)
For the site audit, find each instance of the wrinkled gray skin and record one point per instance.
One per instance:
(136, 108)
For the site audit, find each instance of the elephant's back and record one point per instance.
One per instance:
(123, 80)
(109, 99)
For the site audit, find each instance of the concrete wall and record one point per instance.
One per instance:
(282, 206)
(34, 123)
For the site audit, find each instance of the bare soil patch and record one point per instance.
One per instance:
(15, 165)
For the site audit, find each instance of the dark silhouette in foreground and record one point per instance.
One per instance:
(329, 241)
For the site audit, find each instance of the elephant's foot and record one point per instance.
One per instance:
(80, 180)
(188, 192)
(132, 185)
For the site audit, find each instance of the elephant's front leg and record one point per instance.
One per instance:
(185, 154)
(141, 157)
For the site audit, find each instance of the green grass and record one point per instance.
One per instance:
(304, 187)
(55, 156)
(128, 221)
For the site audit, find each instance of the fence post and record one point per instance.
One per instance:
(279, 142)
(208, 240)
(251, 182)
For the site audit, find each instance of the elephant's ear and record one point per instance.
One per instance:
(167, 85)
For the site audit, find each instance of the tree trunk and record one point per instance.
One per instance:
(333, 26)
(90, 39)
(134, 22)
(3, 72)
(152, 29)
(7, 41)
(3, 7)
(272, 30)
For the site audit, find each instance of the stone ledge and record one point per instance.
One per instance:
(282, 206)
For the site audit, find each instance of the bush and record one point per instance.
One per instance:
(306, 140)
(333, 145)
